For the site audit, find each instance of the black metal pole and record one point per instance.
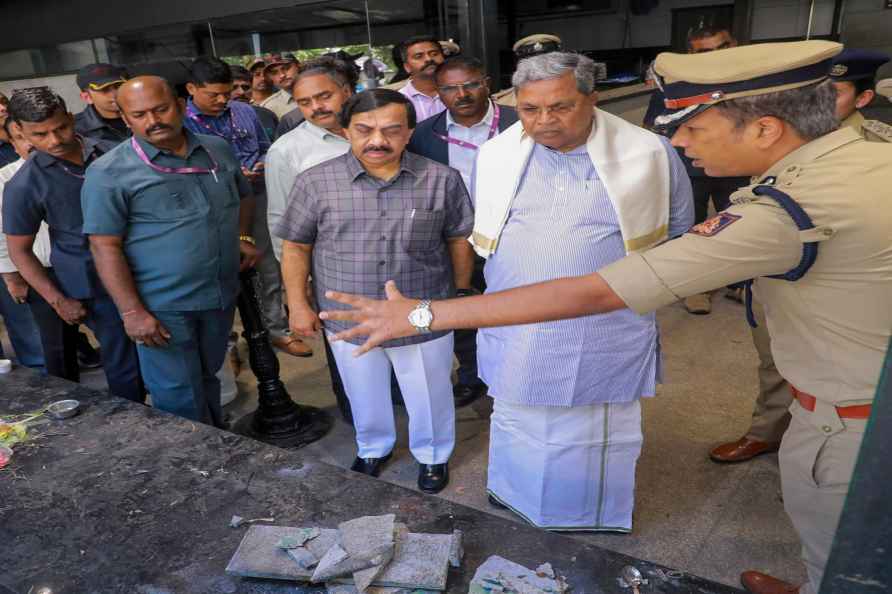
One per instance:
(278, 420)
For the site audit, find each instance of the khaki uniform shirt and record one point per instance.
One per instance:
(506, 97)
(830, 329)
(872, 130)
(280, 103)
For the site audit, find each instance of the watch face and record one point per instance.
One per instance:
(421, 317)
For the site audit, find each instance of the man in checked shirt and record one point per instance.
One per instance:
(374, 214)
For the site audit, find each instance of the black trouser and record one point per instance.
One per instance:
(717, 188)
(59, 340)
(466, 340)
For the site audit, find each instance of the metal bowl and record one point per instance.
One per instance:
(63, 409)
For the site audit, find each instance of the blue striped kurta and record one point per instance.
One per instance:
(562, 223)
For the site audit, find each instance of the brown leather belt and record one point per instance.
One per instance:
(807, 401)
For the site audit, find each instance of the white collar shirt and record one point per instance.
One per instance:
(289, 156)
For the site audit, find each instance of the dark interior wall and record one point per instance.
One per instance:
(33, 23)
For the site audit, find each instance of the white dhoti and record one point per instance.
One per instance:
(423, 372)
(566, 468)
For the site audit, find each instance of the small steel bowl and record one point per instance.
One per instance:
(63, 409)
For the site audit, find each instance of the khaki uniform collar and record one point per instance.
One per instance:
(854, 121)
(813, 150)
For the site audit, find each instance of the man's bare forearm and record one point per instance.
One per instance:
(21, 253)
(462, 255)
(115, 273)
(553, 300)
(296, 263)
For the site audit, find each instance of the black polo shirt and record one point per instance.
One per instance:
(90, 124)
(49, 189)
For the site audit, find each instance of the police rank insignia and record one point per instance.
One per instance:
(711, 227)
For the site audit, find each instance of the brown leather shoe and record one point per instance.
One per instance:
(761, 583)
(741, 450)
(699, 304)
(293, 346)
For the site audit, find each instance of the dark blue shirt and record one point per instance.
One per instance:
(181, 231)
(7, 153)
(238, 125)
(49, 189)
(90, 124)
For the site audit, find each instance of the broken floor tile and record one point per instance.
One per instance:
(298, 539)
(364, 578)
(456, 550)
(303, 557)
(501, 575)
(368, 537)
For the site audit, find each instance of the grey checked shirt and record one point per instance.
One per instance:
(366, 231)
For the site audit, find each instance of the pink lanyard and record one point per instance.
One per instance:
(187, 170)
(493, 127)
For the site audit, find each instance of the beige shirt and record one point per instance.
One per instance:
(830, 329)
(872, 130)
(280, 103)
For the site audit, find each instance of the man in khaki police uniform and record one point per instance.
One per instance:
(818, 210)
(884, 88)
(853, 74)
(531, 45)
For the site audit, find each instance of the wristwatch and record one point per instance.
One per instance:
(247, 239)
(422, 317)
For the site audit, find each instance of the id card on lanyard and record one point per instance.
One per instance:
(493, 128)
(182, 170)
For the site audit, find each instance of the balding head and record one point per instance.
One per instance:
(151, 108)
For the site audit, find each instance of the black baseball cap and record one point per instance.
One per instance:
(99, 76)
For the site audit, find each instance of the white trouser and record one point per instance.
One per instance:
(424, 375)
(566, 468)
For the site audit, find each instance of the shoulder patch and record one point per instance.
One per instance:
(712, 227)
(879, 129)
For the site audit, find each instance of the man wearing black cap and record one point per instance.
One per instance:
(261, 84)
(854, 76)
(99, 90)
(282, 69)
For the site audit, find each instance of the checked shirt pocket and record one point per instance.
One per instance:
(422, 230)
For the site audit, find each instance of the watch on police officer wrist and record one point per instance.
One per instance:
(422, 317)
(247, 239)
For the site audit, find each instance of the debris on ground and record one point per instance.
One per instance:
(237, 521)
(501, 576)
(371, 555)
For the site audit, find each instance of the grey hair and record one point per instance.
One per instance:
(555, 65)
(810, 110)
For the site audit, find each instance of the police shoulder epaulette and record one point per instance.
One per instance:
(878, 128)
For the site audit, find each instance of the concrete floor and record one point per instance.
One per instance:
(691, 514)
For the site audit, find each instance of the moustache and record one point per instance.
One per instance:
(157, 128)
(321, 113)
(379, 149)
(461, 102)
(429, 64)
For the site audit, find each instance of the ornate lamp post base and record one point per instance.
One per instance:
(278, 420)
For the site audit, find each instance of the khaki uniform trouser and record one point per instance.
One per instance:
(770, 416)
(817, 458)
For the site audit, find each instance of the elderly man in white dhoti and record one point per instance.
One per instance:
(564, 192)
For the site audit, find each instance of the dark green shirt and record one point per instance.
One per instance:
(181, 231)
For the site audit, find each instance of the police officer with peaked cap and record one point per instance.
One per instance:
(853, 74)
(812, 229)
(531, 45)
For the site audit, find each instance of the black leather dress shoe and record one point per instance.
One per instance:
(433, 478)
(465, 394)
(369, 466)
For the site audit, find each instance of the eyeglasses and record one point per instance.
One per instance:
(467, 87)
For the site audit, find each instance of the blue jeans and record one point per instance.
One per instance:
(22, 330)
(182, 377)
(119, 359)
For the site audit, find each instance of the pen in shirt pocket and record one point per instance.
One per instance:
(412, 214)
